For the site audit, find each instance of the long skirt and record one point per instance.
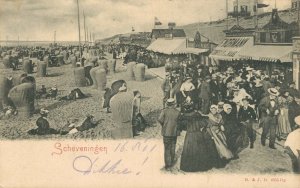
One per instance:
(220, 141)
(284, 127)
(196, 153)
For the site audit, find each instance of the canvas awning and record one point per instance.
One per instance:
(269, 53)
(173, 46)
(167, 46)
(195, 51)
(230, 47)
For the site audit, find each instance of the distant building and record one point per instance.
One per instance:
(268, 48)
(167, 33)
(295, 4)
(245, 8)
(276, 31)
(170, 32)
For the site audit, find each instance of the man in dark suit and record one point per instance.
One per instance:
(246, 117)
(293, 91)
(169, 122)
(269, 109)
(215, 89)
(205, 95)
(266, 84)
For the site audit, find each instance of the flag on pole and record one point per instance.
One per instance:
(156, 21)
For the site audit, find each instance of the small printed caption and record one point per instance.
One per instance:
(265, 180)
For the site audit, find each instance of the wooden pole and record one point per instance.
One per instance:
(84, 26)
(237, 17)
(87, 35)
(298, 20)
(79, 29)
(227, 15)
(54, 38)
(91, 37)
(256, 16)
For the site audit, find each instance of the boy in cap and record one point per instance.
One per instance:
(168, 119)
(246, 117)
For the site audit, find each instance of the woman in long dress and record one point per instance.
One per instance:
(284, 127)
(232, 131)
(199, 151)
(216, 129)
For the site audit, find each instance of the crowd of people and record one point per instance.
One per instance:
(221, 112)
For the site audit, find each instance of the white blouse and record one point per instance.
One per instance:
(187, 86)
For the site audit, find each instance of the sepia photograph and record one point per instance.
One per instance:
(179, 88)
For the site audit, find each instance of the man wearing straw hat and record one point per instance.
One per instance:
(269, 109)
(250, 75)
(169, 122)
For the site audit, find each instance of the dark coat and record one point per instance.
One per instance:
(168, 119)
(107, 97)
(265, 104)
(266, 85)
(199, 152)
(205, 91)
(294, 111)
(214, 87)
(166, 85)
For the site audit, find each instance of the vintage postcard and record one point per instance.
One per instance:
(152, 93)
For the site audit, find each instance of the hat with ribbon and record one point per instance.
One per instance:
(273, 91)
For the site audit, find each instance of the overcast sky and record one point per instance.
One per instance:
(38, 19)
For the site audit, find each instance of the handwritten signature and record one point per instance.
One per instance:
(85, 165)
